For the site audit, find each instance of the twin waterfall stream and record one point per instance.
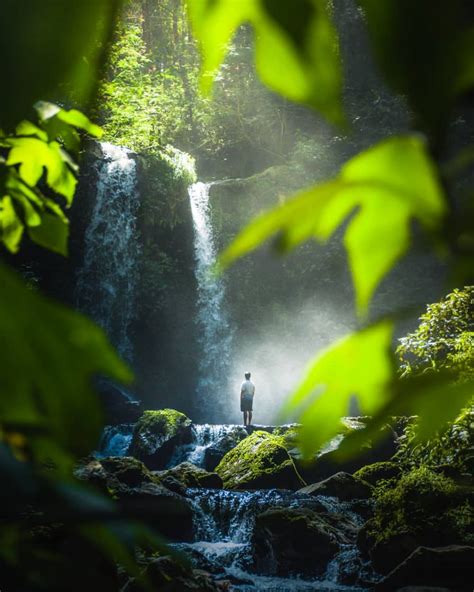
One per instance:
(215, 335)
(106, 290)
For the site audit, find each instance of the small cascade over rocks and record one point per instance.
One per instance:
(224, 539)
(115, 440)
(107, 279)
(215, 334)
(204, 437)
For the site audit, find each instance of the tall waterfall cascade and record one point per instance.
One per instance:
(215, 334)
(107, 280)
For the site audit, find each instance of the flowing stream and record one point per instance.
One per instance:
(224, 522)
(107, 279)
(215, 335)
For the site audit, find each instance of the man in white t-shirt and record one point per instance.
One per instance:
(247, 391)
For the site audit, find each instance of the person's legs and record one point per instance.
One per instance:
(245, 418)
(250, 418)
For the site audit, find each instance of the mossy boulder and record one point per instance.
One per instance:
(379, 471)
(341, 485)
(260, 461)
(298, 540)
(157, 434)
(190, 475)
(216, 452)
(107, 472)
(421, 509)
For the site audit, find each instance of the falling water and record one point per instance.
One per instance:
(107, 280)
(215, 333)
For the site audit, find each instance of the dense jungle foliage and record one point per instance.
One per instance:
(106, 58)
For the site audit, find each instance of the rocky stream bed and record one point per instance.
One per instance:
(247, 514)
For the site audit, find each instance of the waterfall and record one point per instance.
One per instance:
(106, 282)
(215, 335)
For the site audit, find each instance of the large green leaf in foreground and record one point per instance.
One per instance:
(296, 46)
(37, 159)
(358, 365)
(425, 50)
(49, 357)
(384, 188)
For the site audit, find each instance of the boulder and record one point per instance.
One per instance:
(140, 494)
(379, 471)
(169, 513)
(449, 567)
(259, 462)
(298, 540)
(107, 472)
(341, 485)
(168, 575)
(190, 475)
(157, 434)
(421, 509)
(216, 452)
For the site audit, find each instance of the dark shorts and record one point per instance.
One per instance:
(246, 404)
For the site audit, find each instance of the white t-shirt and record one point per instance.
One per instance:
(247, 389)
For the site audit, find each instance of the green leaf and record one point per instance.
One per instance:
(49, 46)
(34, 155)
(52, 233)
(79, 120)
(73, 117)
(436, 399)
(358, 365)
(26, 128)
(49, 357)
(296, 50)
(441, 36)
(11, 227)
(390, 184)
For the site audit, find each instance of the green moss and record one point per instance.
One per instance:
(157, 433)
(416, 504)
(164, 422)
(259, 461)
(289, 435)
(376, 472)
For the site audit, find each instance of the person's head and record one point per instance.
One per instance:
(247, 375)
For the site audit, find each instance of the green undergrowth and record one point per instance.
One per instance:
(421, 502)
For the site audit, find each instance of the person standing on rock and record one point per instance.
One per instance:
(247, 391)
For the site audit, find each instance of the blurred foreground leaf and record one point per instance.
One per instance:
(56, 48)
(384, 187)
(50, 356)
(37, 162)
(361, 365)
(425, 50)
(436, 398)
(296, 47)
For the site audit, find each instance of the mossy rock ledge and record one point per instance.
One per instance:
(157, 434)
(189, 475)
(259, 462)
(379, 471)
